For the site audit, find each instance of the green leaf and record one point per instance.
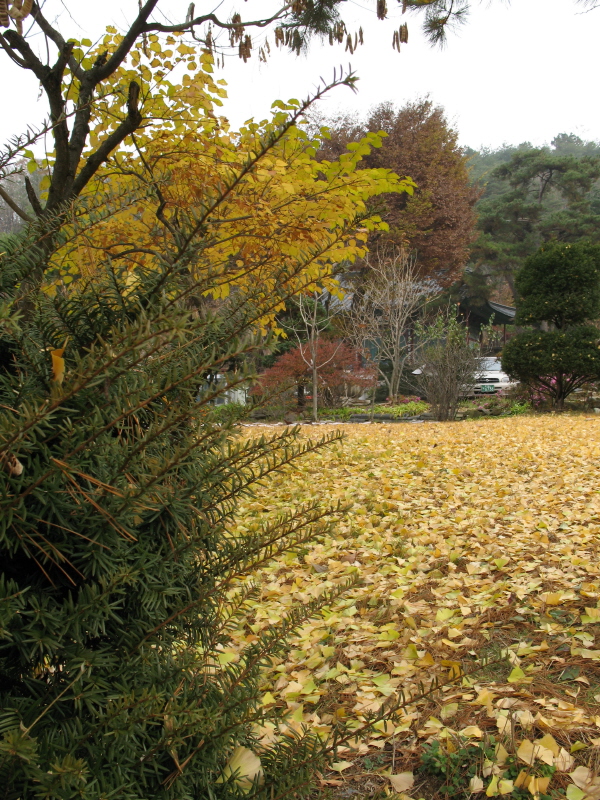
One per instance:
(517, 675)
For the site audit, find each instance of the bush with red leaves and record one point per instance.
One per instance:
(339, 367)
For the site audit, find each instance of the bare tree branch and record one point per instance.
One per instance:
(189, 24)
(17, 209)
(33, 198)
(55, 37)
(127, 127)
(378, 323)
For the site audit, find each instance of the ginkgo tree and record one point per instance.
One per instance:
(258, 197)
(79, 79)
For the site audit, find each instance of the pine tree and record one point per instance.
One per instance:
(559, 287)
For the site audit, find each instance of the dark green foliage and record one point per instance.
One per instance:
(560, 284)
(456, 768)
(557, 362)
(535, 195)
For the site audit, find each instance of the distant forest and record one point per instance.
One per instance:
(529, 195)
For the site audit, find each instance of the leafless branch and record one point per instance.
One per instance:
(17, 209)
(383, 308)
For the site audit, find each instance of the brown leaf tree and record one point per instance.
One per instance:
(438, 220)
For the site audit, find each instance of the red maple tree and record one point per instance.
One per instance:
(342, 366)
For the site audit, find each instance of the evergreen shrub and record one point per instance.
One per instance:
(119, 575)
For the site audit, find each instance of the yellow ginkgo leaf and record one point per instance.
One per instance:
(402, 782)
(340, 766)
(244, 768)
(530, 751)
(448, 710)
(472, 731)
(58, 365)
(563, 761)
(549, 742)
(501, 754)
(517, 676)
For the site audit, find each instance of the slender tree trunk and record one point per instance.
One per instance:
(315, 385)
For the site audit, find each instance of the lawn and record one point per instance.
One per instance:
(473, 541)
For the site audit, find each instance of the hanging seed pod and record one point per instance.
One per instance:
(349, 44)
(396, 41)
(330, 38)
(238, 28)
(403, 33)
(297, 42)
(15, 9)
(381, 9)
(209, 41)
(360, 36)
(339, 32)
(26, 8)
(279, 37)
(245, 49)
(404, 6)
(4, 18)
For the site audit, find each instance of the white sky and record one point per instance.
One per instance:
(518, 71)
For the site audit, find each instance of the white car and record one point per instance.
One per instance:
(490, 379)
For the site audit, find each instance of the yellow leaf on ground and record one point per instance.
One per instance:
(501, 754)
(340, 766)
(517, 676)
(449, 710)
(563, 761)
(530, 751)
(549, 742)
(402, 782)
(522, 780)
(505, 786)
(244, 768)
(472, 731)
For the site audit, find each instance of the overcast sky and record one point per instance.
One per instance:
(519, 71)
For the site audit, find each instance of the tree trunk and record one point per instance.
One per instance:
(315, 389)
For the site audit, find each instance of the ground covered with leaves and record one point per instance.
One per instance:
(477, 550)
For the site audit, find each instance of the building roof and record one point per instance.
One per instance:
(483, 312)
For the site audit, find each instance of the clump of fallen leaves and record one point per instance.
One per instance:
(477, 549)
